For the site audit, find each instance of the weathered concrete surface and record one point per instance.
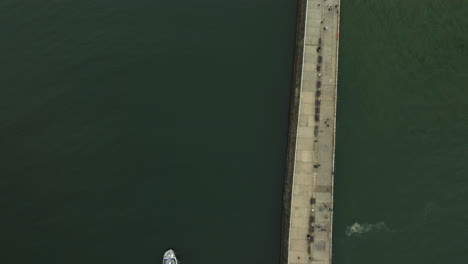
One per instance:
(311, 150)
(293, 122)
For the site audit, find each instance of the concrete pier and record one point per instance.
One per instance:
(308, 194)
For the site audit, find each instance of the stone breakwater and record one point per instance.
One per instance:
(308, 189)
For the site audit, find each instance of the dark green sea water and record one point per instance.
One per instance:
(128, 127)
(401, 179)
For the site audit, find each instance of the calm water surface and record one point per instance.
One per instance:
(402, 148)
(128, 127)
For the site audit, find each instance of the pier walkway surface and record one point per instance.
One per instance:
(310, 220)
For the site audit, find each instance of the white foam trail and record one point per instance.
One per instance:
(358, 229)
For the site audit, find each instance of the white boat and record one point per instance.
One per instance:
(170, 258)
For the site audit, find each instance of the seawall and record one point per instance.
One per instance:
(308, 189)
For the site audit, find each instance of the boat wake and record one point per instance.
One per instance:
(358, 229)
